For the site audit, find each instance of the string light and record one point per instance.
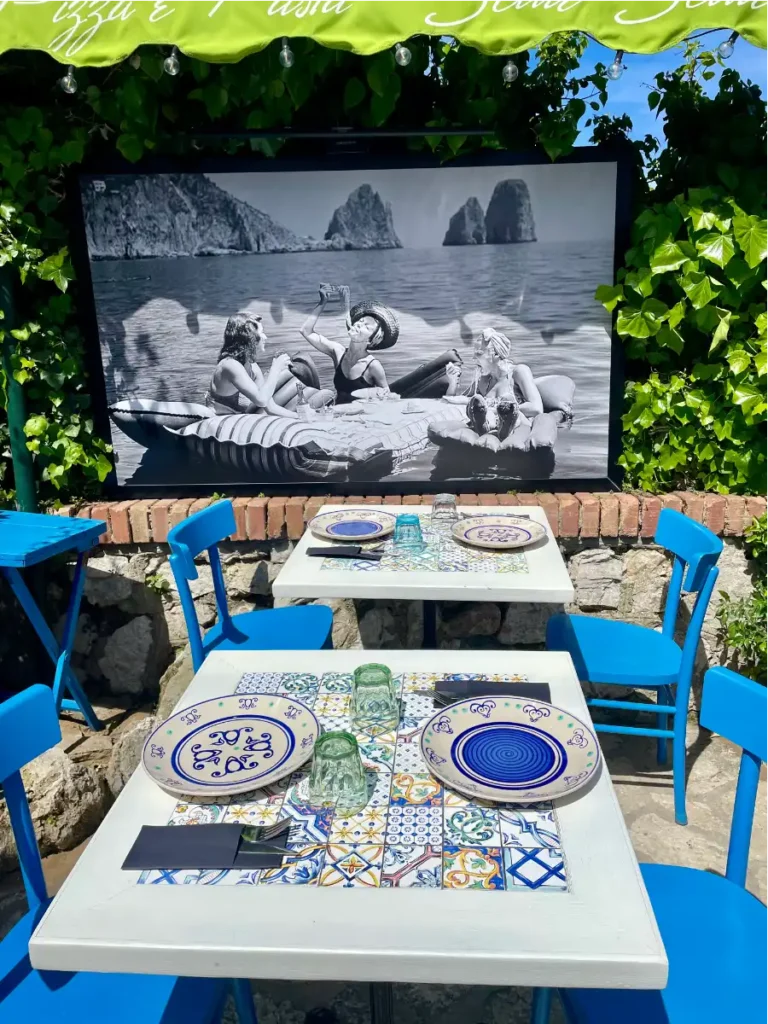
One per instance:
(286, 55)
(402, 55)
(725, 49)
(171, 65)
(69, 83)
(510, 72)
(616, 70)
(135, 61)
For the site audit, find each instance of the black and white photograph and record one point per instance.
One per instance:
(414, 326)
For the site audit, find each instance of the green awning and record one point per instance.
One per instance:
(87, 33)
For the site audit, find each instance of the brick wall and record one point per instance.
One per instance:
(614, 518)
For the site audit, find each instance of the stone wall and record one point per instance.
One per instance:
(130, 649)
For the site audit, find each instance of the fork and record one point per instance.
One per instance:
(264, 833)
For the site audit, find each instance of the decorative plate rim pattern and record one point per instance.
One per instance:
(318, 527)
(160, 754)
(532, 531)
(489, 720)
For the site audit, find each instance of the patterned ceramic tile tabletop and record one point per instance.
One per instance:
(442, 554)
(412, 832)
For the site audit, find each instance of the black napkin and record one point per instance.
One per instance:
(198, 847)
(459, 689)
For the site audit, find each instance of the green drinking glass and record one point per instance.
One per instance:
(374, 707)
(337, 778)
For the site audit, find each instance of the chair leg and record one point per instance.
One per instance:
(541, 1005)
(678, 768)
(662, 746)
(246, 1011)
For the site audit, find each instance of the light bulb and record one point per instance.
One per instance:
(135, 61)
(725, 49)
(510, 72)
(171, 65)
(286, 55)
(402, 55)
(69, 83)
(616, 70)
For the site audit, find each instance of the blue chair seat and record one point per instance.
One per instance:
(714, 932)
(298, 628)
(63, 998)
(605, 651)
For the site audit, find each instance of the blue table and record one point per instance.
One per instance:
(27, 539)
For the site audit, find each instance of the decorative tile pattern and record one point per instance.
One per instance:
(412, 831)
(350, 866)
(442, 554)
(419, 867)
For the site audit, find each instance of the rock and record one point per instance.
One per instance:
(85, 634)
(133, 658)
(509, 217)
(200, 587)
(644, 586)
(467, 225)
(364, 222)
(596, 576)
(105, 581)
(247, 579)
(67, 802)
(346, 631)
(281, 551)
(126, 753)
(178, 215)
(526, 624)
(465, 620)
(174, 683)
(143, 600)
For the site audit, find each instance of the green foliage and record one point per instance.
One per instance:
(157, 583)
(690, 299)
(742, 620)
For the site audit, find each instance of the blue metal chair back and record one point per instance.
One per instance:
(696, 550)
(736, 708)
(29, 726)
(201, 532)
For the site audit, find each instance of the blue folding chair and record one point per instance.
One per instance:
(605, 651)
(301, 628)
(28, 727)
(714, 931)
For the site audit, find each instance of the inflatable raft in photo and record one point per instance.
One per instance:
(529, 448)
(368, 442)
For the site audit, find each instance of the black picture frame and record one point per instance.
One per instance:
(349, 155)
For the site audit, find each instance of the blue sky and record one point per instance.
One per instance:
(629, 95)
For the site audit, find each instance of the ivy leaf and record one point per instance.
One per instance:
(610, 295)
(668, 337)
(653, 99)
(738, 360)
(702, 220)
(737, 271)
(379, 71)
(667, 256)
(641, 280)
(36, 426)
(698, 287)
(716, 248)
(760, 363)
(721, 331)
(215, 98)
(676, 314)
(131, 146)
(643, 322)
(354, 94)
(752, 235)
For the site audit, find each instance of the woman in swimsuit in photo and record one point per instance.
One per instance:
(357, 373)
(502, 393)
(238, 384)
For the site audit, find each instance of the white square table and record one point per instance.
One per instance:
(601, 933)
(546, 581)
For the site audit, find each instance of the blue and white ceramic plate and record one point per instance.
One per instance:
(352, 524)
(498, 531)
(230, 745)
(510, 749)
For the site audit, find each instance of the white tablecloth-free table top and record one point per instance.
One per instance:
(601, 933)
(546, 580)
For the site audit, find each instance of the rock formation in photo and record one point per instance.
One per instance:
(467, 225)
(363, 222)
(509, 217)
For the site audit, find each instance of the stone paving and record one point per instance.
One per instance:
(645, 794)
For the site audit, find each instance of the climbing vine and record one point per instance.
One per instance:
(139, 111)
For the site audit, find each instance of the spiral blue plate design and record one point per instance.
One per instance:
(509, 755)
(355, 528)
